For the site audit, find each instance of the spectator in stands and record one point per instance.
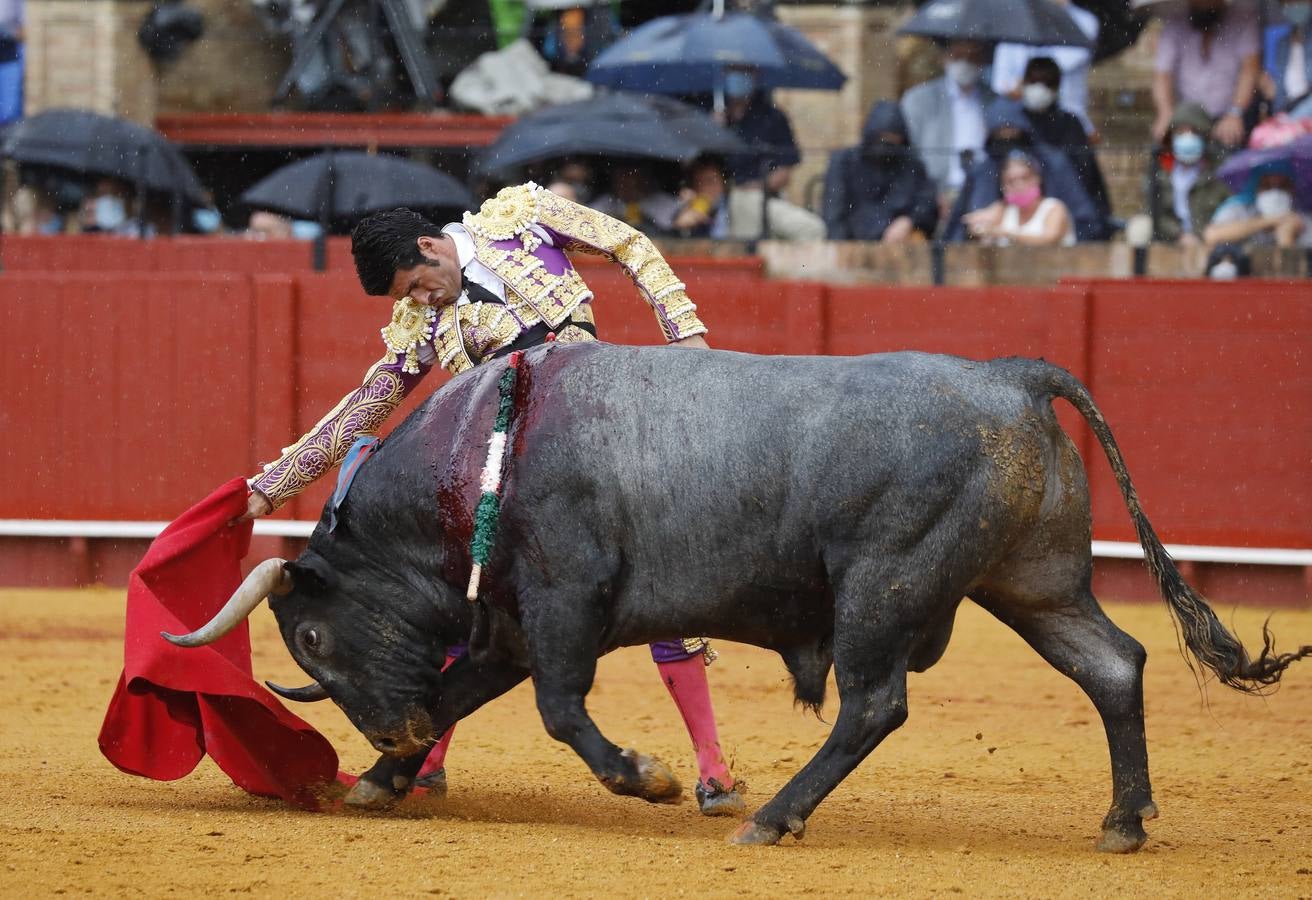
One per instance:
(751, 115)
(1011, 67)
(1262, 214)
(1287, 57)
(563, 189)
(266, 226)
(1060, 129)
(571, 38)
(33, 210)
(945, 118)
(1227, 262)
(703, 209)
(1024, 216)
(577, 173)
(879, 190)
(1183, 190)
(1208, 55)
(1008, 130)
(633, 198)
(109, 208)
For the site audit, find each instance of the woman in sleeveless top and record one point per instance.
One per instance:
(1024, 216)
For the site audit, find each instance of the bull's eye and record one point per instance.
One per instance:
(313, 639)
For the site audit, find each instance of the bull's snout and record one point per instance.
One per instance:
(414, 733)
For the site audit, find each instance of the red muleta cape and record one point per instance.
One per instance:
(174, 705)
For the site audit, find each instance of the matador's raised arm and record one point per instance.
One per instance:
(409, 357)
(588, 231)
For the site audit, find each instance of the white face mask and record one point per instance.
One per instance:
(1037, 97)
(1225, 270)
(964, 73)
(1273, 203)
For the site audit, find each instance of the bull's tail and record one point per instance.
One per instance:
(1208, 641)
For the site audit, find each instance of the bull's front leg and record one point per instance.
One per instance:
(563, 639)
(466, 686)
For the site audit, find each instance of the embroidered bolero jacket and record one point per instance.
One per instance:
(542, 286)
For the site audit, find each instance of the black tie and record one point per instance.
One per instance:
(477, 293)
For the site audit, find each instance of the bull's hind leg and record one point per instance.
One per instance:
(563, 656)
(1078, 639)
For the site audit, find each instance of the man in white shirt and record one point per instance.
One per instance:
(945, 117)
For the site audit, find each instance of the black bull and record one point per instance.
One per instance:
(835, 510)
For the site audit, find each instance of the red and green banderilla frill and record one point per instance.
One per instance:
(488, 511)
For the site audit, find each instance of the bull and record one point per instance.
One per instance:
(834, 510)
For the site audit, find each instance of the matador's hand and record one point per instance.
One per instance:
(256, 505)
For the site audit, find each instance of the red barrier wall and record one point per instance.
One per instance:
(128, 395)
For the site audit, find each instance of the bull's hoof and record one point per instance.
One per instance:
(365, 794)
(750, 833)
(433, 782)
(717, 801)
(656, 782)
(1126, 836)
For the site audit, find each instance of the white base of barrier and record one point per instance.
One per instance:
(68, 528)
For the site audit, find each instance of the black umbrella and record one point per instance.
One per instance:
(85, 143)
(1038, 22)
(347, 185)
(624, 125)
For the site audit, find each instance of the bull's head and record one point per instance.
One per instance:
(370, 642)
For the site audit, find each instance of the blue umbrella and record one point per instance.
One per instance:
(689, 54)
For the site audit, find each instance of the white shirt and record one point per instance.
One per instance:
(1011, 223)
(1009, 61)
(1182, 182)
(967, 129)
(1296, 72)
(474, 270)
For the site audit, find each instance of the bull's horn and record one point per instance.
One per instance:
(269, 577)
(311, 693)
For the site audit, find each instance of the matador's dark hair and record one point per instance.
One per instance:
(386, 242)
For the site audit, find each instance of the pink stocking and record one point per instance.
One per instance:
(437, 756)
(686, 681)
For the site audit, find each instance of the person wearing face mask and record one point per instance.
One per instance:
(1263, 214)
(1011, 66)
(1227, 262)
(1024, 216)
(1060, 129)
(1183, 190)
(1287, 58)
(879, 190)
(1208, 55)
(107, 210)
(945, 117)
(1009, 130)
(752, 115)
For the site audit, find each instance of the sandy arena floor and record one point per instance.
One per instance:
(996, 786)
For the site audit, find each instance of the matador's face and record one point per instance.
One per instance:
(434, 282)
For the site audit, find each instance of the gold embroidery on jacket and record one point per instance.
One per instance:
(411, 325)
(589, 231)
(361, 412)
(510, 214)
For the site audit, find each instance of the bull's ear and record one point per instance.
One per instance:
(310, 574)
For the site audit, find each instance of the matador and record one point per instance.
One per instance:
(498, 281)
